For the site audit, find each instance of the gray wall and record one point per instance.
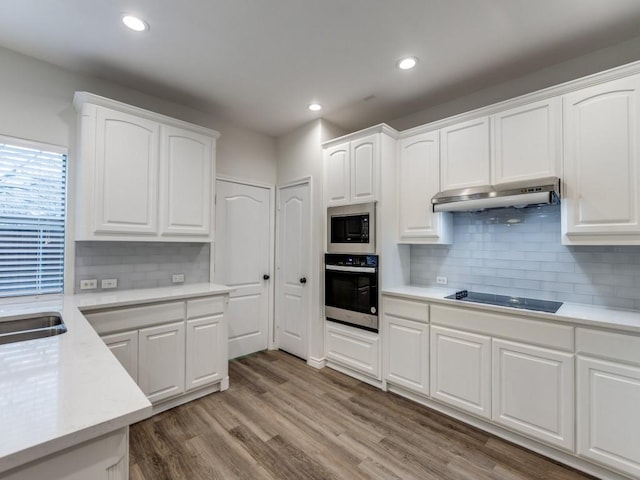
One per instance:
(493, 255)
(141, 264)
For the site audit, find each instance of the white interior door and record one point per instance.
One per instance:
(293, 269)
(242, 260)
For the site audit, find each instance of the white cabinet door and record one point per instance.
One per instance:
(533, 392)
(354, 348)
(465, 155)
(406, 353)
(337, 174)
(161, 361)
(126, 182)
(609, 414)
(186, 161)
(205, 362)
(602, 163)
(461, 370)
(526, 142)
(124, 347)
(364, 168)
(419, 181)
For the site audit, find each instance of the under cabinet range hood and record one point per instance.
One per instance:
(543, 191)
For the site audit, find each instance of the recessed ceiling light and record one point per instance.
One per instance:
(407, 63)
(314, 107)
(135, 23)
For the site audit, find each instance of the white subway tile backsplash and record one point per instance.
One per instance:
(141, 265)
(527, 258)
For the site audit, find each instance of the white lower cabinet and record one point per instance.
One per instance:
(102, 458)
(461, 370)
(609, 414)
(124, 346)
(161, 361)
(405, 335)
(354, 348)
(169, 348)
(608, 399)
(532, 391)
(407, 360)
(204, 365)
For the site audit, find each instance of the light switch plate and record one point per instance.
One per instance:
(441, 280)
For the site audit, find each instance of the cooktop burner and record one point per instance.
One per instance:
(506, 301)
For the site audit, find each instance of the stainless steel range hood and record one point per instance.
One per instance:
(543, 191)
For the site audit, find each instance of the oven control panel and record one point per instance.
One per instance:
(348, 260)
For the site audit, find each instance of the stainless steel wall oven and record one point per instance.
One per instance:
(351, 290)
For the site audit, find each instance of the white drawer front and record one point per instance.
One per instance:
(512, 327)
(624, 347)
(353, 348)
(205, 307)
(131, 318)
(410, 309)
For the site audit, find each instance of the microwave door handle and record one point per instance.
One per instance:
(340, 268)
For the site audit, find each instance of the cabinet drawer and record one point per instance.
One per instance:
(410, 309)
(131, 318)
(624, 347)
(205, 307)
(353, 348)
(511, 327)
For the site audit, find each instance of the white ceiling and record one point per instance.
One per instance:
(260, 62)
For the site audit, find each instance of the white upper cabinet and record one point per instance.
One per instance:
(602, 164)
(352, 168)
(365, 154)
(126, 171)
(141, 175)
(419, 181)
(465, 155)
(526, 142)
(186, 160)
(337, 174)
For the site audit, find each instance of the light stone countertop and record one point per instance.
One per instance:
(575, 313)
(61, 391)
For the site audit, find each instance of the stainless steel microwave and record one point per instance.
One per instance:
(351, 228)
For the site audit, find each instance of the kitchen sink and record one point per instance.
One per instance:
(29, 327)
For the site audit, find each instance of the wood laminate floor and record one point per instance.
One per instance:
(282, 419)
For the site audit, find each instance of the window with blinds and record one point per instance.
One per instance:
(32, 217)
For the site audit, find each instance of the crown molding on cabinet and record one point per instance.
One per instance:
(80, 98)
(544, 94)
(380, 128)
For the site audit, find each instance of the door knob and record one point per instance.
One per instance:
(265, 277)
(303, 280)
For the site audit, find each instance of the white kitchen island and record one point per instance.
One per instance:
(66, 402)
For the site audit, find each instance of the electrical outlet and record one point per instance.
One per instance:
(109, 283)
(88, 284)
(177, 278)
(441, 280)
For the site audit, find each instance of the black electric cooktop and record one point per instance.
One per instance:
(506, 301)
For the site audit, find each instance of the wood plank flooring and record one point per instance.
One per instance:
(282, 419)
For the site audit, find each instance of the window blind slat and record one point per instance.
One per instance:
(32, 220)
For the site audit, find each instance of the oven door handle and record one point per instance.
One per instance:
(340, 268)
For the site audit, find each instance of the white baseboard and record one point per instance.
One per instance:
(317, 362)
